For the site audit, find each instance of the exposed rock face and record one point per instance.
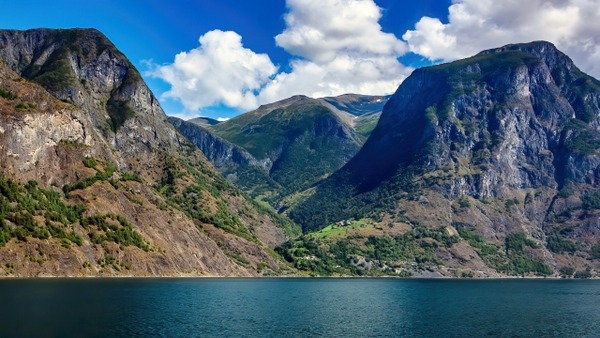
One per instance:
(285, 147)
(72, 106)
(505, 142)
(232, 161)
(82, 67)
(500, 116)
(218, 151)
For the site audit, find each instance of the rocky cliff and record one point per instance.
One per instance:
(233, 162)
(96, 181)
(284, 147)
(495, 149)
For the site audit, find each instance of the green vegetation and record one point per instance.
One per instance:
(131, 177)
(517, 242)
(464, 202)
(591, 200)
(7, 94)
(324, 253)
(261, 133)
(567, 271)
(25, 106)
(335, 230)
(559, 245)
(113, 228)
(119, 112)
(595, 251)
(29, 211)
(585, 274)
(101, 175)
(366, 124)
(291, 229)
(582, 139)
(510, 203)
(56, 74)
(337, 199)
(201, 200)
(513, 260)
(306, 141)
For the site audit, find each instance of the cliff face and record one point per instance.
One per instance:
(83, 68)
(77, 118)
(518, 117)
(233, 162)
(503, 143)
(283, 148)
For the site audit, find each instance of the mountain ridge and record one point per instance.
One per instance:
(294, 142)
(95, 181)
(489, 149)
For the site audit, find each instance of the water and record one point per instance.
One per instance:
(298, 308)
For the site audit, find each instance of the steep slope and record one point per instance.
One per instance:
(96, 181)
(204, 121)
(499, 150)
(357, 105)
(298, 141)
(236, 164)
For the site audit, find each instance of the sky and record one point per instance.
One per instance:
(219, 58)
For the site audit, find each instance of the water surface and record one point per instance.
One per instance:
(298, 308)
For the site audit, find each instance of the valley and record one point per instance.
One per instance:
(483, 167)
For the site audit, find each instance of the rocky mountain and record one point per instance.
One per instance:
(357, 105)
(484, 166)
(233, 162)
(95, 181)
(285, 147)
(204, 121)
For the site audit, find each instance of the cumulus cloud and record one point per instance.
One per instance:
(475, 25)
(219, 71)
(321, 30)
(337, 46)
(341, 48)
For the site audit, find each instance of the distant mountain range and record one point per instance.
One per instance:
(483, 167)
(285, 147)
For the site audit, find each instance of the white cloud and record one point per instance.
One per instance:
(219, 71)
(342, 49)
(321, 30)
(338, 47)
(344, 74)
(475, 25)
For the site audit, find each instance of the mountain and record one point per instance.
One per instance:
(358, 104)
(283, 148)
(232, 161)
(484, 166)
(95, 181)
(204, 121)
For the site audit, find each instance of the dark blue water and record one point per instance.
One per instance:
(298, 308)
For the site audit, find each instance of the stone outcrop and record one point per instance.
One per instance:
(72, 108)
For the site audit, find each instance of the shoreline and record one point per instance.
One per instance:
(183, 277)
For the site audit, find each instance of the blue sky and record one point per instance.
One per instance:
(254, 52)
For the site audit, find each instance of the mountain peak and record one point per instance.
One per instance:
(537, 47)
(296, 99)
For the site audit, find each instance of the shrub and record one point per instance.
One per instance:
(559, 245)
(7, 94)
(591, 200)
(595, 252)
(567, 271)
(585, 274)
(517, 242)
